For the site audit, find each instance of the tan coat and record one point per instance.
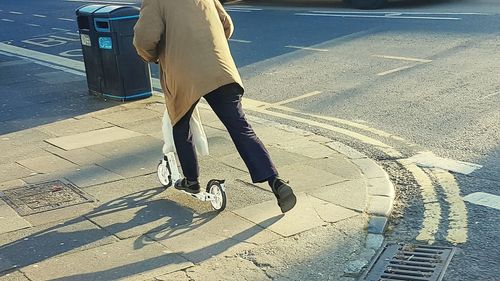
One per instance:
(189, 40)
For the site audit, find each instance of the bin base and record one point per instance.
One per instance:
(122, 98)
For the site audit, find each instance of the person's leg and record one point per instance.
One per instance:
(226, 103)
(186, 152)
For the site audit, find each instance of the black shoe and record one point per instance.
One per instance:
(284, 194)
(183, 184)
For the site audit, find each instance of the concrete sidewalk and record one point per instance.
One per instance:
(107, 217)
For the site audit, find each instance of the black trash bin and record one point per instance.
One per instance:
(113, 68)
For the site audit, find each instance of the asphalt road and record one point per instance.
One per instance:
(415, 76)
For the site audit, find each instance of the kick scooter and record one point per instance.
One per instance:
(168, 174)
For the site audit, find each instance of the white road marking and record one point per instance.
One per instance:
(15, 13)
(7, 20)
(240, 41)
(401, 58)
(375, 16)
(395, 70)
(429, 160)
(432, 209)
(244, 8)
(484, 199)
(102, 2)
(403, 13)
(39, 16)
(311, 94)
(59, 29)
(62, 68)
(32, 24)
(238, 11)
(306, 48)
(65, 19)
(43, 57)
(457, 226)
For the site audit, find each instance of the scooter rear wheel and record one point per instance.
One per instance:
(217, 190)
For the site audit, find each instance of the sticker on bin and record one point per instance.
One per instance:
(105, 43)
(85, 38)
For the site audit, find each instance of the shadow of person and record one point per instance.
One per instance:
(152, 264)
(81, 233)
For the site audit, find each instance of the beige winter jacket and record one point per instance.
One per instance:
(189, 40)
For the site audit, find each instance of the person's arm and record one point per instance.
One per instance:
(149, 30)
(227, 23)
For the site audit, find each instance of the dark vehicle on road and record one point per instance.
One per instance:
(359, 4)
(366, 4)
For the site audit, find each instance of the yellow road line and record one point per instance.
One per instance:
(457, 229)
(401, 58)
(259, 106)
(432, 209)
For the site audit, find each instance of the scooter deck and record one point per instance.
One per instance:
(202, 196)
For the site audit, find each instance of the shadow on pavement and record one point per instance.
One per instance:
(34, 95)
(76, 234)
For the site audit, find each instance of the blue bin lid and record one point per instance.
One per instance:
(89, 9)
(114, 12)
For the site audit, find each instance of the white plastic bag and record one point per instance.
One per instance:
(199, 136)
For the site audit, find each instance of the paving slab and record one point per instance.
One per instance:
(132, 218)
(279, 157)
(336, 164)
(31, 245)
(307, 148)
(13, 171)
(197, 246)
(13, 153)
(85, 176)
(10, 220)
(304, 177)
(131, 259)
(79, 156)
(310, 255)
(47, 164)
(128, 116)
(151, 127)
(59, 215)
(329, 212)
(92, 138)
(14, 276)
(73, 126)
(133, 190)
(349, 194)
(301, 218)
(219, 269)
(11, 184)
(232, 226)
(132, 166)
(144, 146)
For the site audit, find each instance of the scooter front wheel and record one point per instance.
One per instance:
(216, 188)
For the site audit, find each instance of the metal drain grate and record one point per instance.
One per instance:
(408, 262)
(41, 197)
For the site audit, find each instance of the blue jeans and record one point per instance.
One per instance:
(226, 103)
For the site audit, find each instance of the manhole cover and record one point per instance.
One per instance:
(41, 197)
(410, 262)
